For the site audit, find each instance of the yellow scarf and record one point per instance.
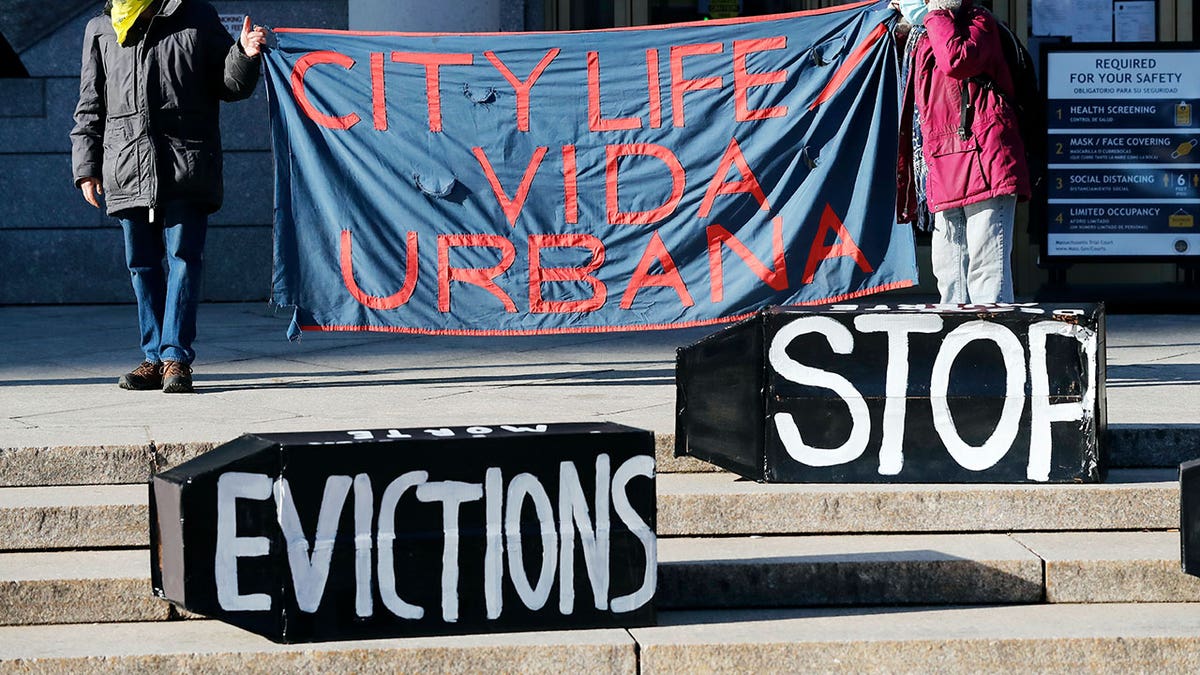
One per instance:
(125, 13)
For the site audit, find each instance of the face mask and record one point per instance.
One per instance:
(914, 11)
(124, 14)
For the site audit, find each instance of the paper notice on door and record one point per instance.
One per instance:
(1081, 20)
(1135, 21)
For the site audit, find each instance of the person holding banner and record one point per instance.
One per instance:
(961, 153)
(147, 139)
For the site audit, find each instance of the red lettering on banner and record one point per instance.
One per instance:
(775, 278)
(346, 258)
(655, 89)
(856, 57)
(301, 69)
(522, 87)
(680, 85)
(378, 92)
(595, 121)
(743, 80)
(656, 251)
(570, 185)
(511, 207)
(433, 89)
(843, 247)
(478, 276)
(611, 171)
(733, 157)
(539, 275)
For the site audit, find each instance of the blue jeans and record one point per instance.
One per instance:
(972, 251)
(167, 301)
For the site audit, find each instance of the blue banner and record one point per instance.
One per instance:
(627, 179)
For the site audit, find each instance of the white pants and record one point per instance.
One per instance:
(972, 250)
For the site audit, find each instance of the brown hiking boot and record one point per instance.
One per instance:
(176, 378)
(146, 376)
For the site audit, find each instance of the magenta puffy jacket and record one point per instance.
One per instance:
(990, 160)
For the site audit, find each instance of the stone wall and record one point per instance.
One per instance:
(55, 248)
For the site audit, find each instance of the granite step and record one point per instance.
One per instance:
(1054, 567)
(74, 517)
(212, 647)
(1130, 446)
(738, 572)
(789, 571)
(113, 516)
(78, 587)
(114, 585)
(722, 505)
(1066, 638)
(122, 464)
(1103, 567)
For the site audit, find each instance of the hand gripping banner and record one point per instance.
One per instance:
(628, 179)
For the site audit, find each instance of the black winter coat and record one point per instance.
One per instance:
(147, 120)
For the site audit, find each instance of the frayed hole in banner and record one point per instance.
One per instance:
(809, 160)
(488, 96)
(434, 187)
(826, 52)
